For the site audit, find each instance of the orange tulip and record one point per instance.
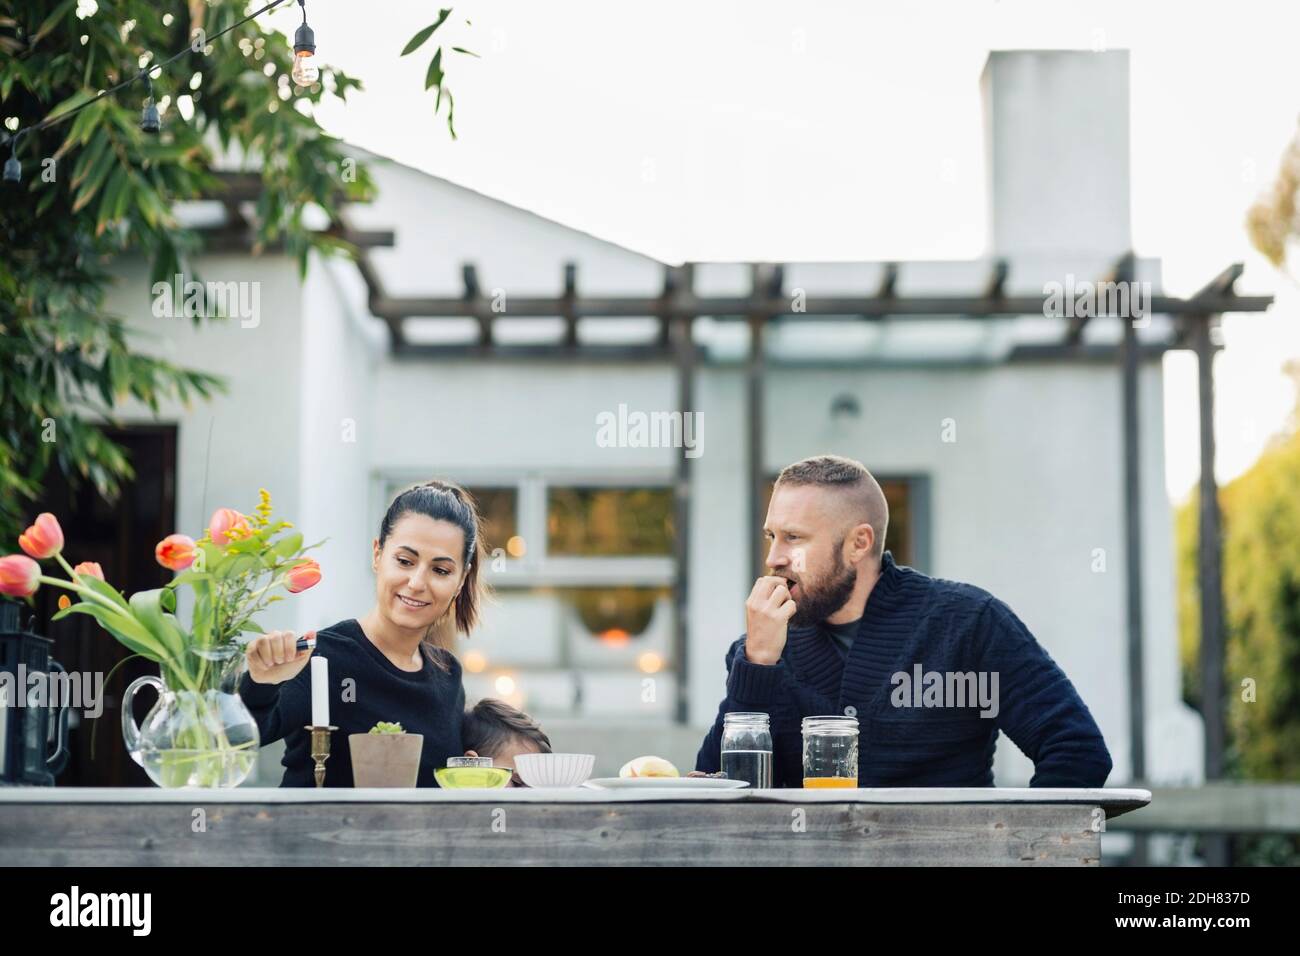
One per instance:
(303, 575)
(20, 576)
(44, 539)
(223, 521)
(176, 551)
(65, 602)
(90, 569)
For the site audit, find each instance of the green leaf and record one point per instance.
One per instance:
(122, 626)
(103, 166)
(46, 201)
(88, 160)
(435, 74)
(104, 589)
(148, 610)
(112, 193)
(60, 11)
(417, 41)
(124, 198)
(189, 578)
(84, 122)
(451, 114)
(287, 546)
(203, 619)
(233, 565)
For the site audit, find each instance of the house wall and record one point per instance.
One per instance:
(1023, 503)
(1020, 501)
(1026, 502)
(247, 437)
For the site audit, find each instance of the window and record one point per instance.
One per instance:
(582, 614)
(904, 537)
(604, 522)
(498, 508)
(615, 615)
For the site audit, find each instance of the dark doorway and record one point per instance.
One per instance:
(120, 535)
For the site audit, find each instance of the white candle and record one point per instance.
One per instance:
(320, 689)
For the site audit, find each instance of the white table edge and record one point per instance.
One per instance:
(1113, 800)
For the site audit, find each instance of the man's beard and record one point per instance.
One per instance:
(819, 602)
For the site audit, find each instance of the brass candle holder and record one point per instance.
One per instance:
(320, 749)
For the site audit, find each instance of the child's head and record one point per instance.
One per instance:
(492, 728)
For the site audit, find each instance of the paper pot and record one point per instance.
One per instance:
(385, 760)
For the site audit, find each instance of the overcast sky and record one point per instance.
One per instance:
(797, 131)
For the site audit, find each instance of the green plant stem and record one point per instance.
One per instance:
(84, 591)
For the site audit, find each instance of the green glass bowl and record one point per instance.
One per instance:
(472, 778)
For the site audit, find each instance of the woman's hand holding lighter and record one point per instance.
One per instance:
(278, 656)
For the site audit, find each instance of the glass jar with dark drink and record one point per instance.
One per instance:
(747, 748)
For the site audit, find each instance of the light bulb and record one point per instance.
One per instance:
(305, 71)
(150, 121)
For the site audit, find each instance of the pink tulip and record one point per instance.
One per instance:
(44, 539)
(20, 576)
(176, 551)
(223, 521)
(303, 575)
(89, 569)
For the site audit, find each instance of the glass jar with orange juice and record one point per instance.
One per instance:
(830, 752)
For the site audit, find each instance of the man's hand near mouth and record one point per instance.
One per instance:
(767, 612)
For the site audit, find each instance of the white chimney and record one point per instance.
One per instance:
(1056, 129)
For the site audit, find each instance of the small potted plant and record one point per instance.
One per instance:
(386, 757)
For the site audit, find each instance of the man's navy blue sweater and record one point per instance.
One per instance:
(945, 627)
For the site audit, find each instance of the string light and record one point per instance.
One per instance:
(150, 120)
(13, 168)
(305, 72)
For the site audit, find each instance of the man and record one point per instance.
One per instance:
(931, 668)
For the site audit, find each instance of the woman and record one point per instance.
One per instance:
(394, 663)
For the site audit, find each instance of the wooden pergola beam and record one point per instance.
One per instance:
(476, 305)
(1123, 270)
(569, 296)
(1220, 286)
(654, 352)
(888, 281)
(241, 238)
(928, 307)
(236, 186)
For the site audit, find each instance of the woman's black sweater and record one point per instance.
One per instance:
(365, 687)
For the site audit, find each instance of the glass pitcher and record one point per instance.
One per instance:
(193, 738)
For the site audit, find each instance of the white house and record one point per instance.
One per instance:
(1009, 474)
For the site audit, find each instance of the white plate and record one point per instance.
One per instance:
(665, 783)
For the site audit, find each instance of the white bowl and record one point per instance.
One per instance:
(551, 771)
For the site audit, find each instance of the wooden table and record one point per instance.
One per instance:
(267, 826)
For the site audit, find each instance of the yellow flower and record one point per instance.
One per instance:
(263, 508)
